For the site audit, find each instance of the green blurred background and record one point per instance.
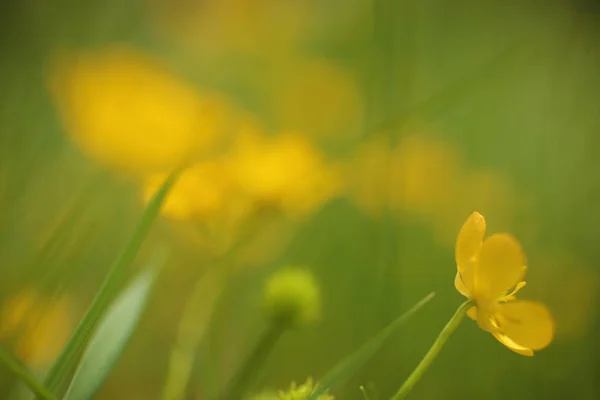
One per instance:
(458, 106)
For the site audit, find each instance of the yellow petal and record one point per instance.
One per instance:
(527, 323)
(472, 313)
(460, 286)
(484, 319)
(469, 240)
(500, 267)
(505, 340)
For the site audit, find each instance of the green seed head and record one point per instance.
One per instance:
(292, 297)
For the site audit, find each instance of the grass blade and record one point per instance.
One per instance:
(351, 364)
(191, 331)
(364, 392)
(68, 358)
(24, 375)
(111, 337)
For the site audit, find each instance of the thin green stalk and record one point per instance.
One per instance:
(191, 331)
(433, 351)
(68, 358)
(252, 366)
(25, 376)
(364, 392)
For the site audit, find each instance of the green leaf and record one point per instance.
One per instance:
(111, 337)
(192, 329)
(351, 364)
(68, 357)
(24, 375)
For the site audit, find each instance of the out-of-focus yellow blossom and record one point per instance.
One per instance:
(252, 193)
(424, 173)
(38, 327)
(127, 111)
(205, 196)
(284, 171)
(578, 285)
(490, 273)
(368, 177)
(416, 176)
(201, 191)
(425, 177)
(318, 97)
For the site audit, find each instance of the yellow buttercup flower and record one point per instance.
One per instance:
(202, 190)
(284, 171)
(205, 196)
(490, 273)
(127, 111)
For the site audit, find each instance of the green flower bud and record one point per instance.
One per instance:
(302, 392)
(292, 297)
(295, 392)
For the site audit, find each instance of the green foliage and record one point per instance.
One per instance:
(292, 297)
(350, 365)
(112, 335)
(68, 358)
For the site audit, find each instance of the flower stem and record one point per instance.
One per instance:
(25, 376)
(251, 367)
(433, 351)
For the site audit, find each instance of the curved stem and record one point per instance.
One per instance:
(433, 351)
(25, 376)
(251, 367)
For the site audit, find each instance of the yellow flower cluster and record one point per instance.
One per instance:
(425, 177)
(490, 273)
(282, 172)
(128, 112)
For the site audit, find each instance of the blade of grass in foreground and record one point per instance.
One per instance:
(192, 330)
(25, 375)
(68, 358)
(113, 334)
(350, 365)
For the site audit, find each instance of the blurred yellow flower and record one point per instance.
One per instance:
(38, 327)
(128, 112)
(424, 174)
(578, 284)
(368, 175)
(218, 201)
(284, 171)
(490, 273)
(205, 196)
(317, 97)
(417, 176)
(425, 177)
(201, 191)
